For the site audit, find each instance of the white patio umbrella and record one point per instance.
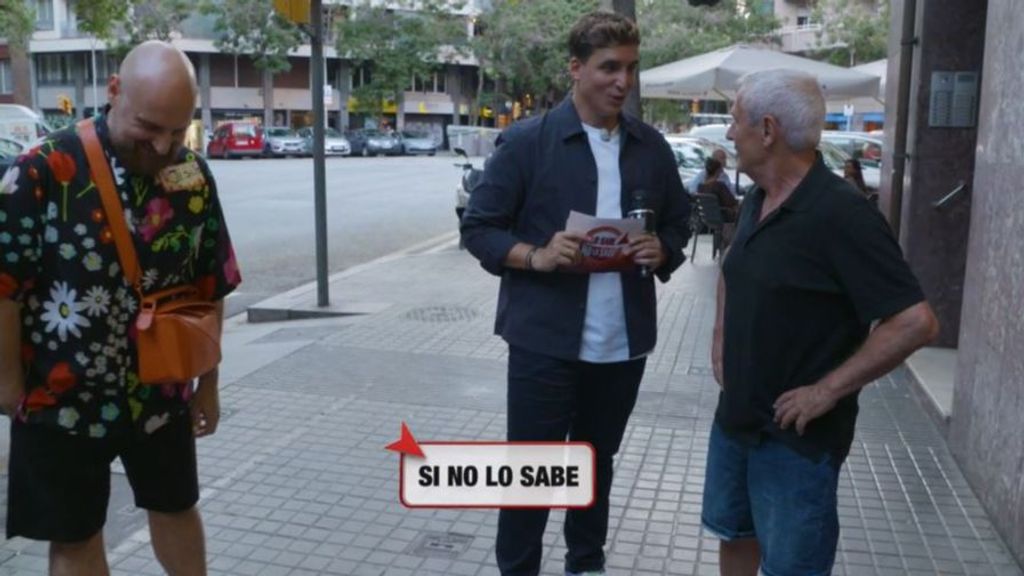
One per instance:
(875, 102)
(716, 75)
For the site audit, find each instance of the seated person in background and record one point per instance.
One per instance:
(723, 176)
(713, 185)
(854, 174)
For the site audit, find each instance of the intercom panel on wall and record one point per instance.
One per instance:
(954, 100)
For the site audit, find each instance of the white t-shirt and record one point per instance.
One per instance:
(604, 327)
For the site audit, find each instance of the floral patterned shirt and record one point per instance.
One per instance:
(58, 258)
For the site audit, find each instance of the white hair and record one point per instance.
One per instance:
(793, 98)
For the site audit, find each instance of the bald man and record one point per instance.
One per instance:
(68, 363)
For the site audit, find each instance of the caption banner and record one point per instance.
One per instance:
(495, 474)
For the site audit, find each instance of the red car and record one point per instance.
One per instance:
(236, 139)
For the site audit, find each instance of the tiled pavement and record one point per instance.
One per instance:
(296, 480)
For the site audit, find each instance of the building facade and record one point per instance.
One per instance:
(61, 60)
(958, 210)
(800, 29)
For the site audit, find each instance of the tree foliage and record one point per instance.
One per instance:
(156, 19)
(522, 46)
(17, 21)
(100, 18)
(672, 30)
(852, 32)
(254, 28)
(397, 44)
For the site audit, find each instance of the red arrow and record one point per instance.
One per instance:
(406, 444)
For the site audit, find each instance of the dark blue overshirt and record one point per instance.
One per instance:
(542, 169)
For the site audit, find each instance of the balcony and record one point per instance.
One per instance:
(800, 38)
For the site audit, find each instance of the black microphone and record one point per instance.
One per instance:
(640, 211)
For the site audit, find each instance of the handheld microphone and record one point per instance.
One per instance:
(640, 211)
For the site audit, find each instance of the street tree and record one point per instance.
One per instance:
(673, 30)
(100, 19)
(252, 28)
(17, 21)
(397, 42)
(852, 31)
(155, 20)
(522, 49)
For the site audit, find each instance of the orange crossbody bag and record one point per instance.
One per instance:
(178, 332)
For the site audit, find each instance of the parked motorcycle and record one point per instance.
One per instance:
(471, 176)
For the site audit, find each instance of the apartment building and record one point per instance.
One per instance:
(60, 64)
(800, 31)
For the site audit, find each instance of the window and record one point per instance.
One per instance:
(44, 14)
(106, 65)
(361, 76)
(6, 80)
(433, 83)
(54, 69)
(804, 21)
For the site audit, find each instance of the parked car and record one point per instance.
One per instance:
(334, 143)
(368, 142)
(9, 151)
(833, 155)
(22, 124)
(690, 157)
(713, 132)
(835, 158)
(282, 141)
(418, 143)
(694, 159)
(235, 140)
(471, 176)
(867, 149)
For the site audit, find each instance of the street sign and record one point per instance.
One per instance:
(297, 11)
(328, 95)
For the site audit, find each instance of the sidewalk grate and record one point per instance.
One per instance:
(436, 314)
(440, 545)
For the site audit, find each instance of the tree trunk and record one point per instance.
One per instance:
(627, 8)
(479, 95)
(400, 110)
(268, 97)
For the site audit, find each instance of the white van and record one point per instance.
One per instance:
(22, 124)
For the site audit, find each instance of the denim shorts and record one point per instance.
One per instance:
(770, 492)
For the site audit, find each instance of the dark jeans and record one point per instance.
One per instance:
(552, 399)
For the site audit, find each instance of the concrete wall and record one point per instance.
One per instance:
(951, 38)
(987, 429)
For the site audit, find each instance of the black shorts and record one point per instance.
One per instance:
(59, 485)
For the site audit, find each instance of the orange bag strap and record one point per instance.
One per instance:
(104, 180)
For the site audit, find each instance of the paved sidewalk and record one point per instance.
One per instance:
(296, 481)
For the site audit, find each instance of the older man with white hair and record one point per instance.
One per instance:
(812, 268)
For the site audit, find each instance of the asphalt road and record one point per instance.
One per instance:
(375, 206)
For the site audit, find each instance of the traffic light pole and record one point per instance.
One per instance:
(319, 170)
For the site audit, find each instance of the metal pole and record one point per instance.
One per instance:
(319, 171)
(95, 91)
(899, 156)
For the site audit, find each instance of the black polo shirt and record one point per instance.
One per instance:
(802, 289)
